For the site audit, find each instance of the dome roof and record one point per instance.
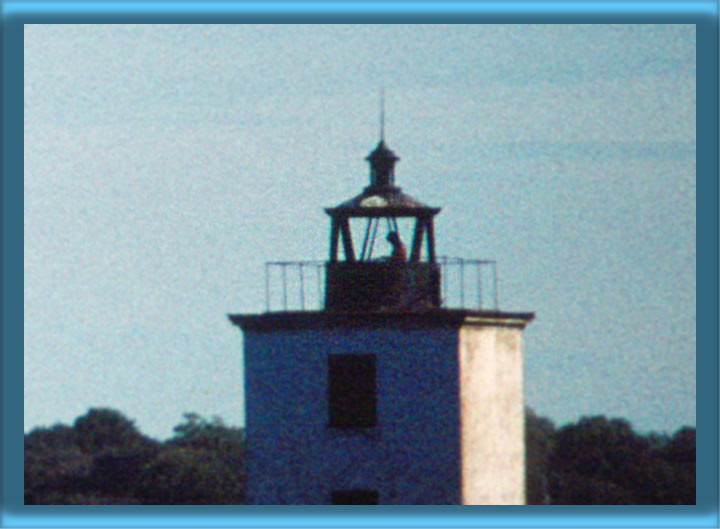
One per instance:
(385, 202)
(382, 198)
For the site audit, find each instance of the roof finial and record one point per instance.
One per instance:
(382, 113)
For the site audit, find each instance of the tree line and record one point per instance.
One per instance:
(103, 459)
(600, 461)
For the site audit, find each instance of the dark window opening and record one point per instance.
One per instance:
(355, 497)
(352, 393)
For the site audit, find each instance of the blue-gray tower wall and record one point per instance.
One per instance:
(411, 457)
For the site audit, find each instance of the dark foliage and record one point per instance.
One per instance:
(600, 461)
(204, 464)
(539, 439)
(104, 460)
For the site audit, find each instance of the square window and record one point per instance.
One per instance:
(355, 497)
(352, 391)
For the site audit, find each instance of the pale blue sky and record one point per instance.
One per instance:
(165, 164)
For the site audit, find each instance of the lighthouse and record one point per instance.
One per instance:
(388, 392)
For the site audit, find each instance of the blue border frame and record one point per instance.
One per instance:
(703, 13)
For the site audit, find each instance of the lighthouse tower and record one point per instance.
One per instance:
(386, 394)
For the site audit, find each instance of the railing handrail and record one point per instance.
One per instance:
(296, 263)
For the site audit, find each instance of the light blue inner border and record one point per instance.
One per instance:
(375, 8)
(320, 517)
(703, 13)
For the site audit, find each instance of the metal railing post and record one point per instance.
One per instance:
(462, 284)
(284, 277)
(479, 273)
(495, 284)
(319, 286)
(302, 287)
(444, 274)
(267, 287)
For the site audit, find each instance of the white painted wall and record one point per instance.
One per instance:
(492, 416)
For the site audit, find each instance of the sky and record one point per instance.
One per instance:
(165, 164)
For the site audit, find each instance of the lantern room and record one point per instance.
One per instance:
(408, 278)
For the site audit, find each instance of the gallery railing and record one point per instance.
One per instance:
(299, 285)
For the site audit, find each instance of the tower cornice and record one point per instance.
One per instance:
(433, 318)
